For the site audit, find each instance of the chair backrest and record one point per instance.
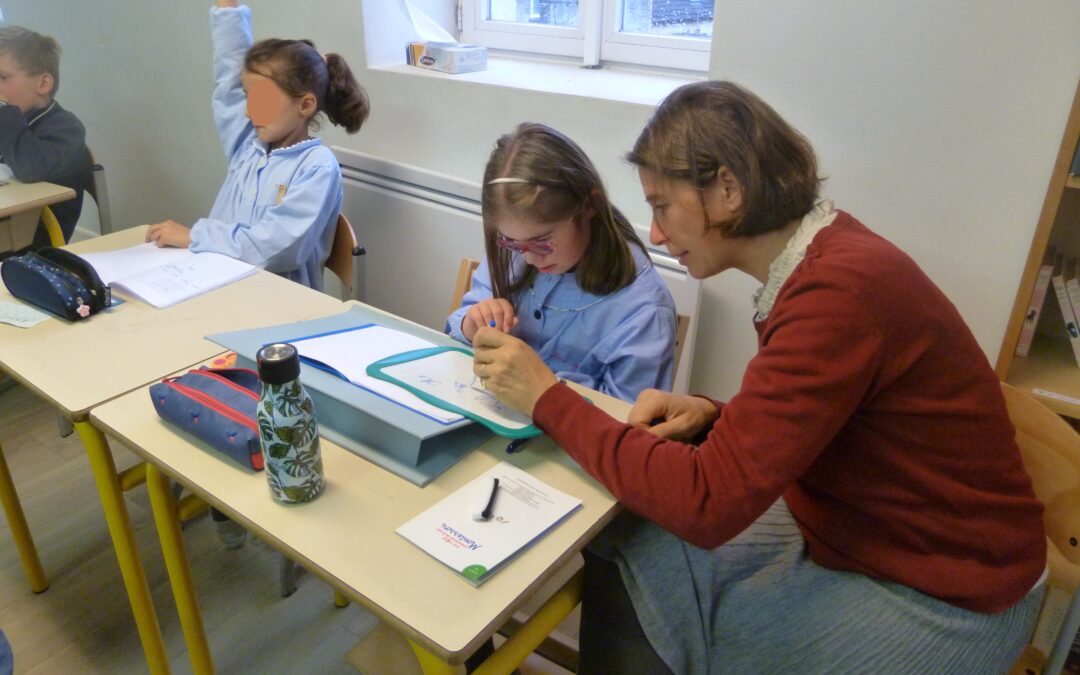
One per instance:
(99, 191)
(1050, 448)
(682, 326)
(463, 283)
(342, 252)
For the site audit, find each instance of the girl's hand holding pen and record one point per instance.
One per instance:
(510, 369)
(483, 313)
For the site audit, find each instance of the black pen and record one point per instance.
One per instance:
(516, 444)
(483, 500)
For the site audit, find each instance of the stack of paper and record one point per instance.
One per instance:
(524, 509)
(163, 277)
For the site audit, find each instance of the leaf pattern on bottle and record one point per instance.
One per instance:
(290, 440)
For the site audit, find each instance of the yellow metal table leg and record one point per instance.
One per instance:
(176, 561)
(52, 227)
(127, 552)
(517, 648)
(340, 600)
(429, 663)
(20, 531)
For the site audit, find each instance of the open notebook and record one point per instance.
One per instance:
(163, 277)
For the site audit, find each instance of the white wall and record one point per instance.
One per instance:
(937, 123)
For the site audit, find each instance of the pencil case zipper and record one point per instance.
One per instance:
(214, 404)
(226, 381)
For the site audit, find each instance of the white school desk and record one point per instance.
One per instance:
(76, 366)
(17, 197)
(346, 536)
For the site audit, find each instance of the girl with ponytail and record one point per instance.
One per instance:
(281, 198)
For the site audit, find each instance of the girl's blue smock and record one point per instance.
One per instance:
(619, 344)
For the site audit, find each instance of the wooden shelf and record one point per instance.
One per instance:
(1049, 366)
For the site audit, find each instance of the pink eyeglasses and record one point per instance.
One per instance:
(537, 247)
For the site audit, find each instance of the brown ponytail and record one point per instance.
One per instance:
(346, 101)
(298, 68)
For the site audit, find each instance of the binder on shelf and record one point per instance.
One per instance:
(1068, 314)
(1038, 294)
(1075, 169)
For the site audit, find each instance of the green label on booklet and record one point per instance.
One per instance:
(443, 377)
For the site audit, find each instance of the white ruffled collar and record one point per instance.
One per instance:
(820, 217)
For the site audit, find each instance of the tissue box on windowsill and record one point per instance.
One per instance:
(448, 57)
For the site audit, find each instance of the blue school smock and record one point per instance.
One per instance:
(276, 210)
(619, 344)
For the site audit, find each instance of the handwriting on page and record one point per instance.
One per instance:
(449, 376)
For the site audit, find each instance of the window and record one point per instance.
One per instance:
(666, 33)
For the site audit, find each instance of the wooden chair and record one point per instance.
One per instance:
(1051, 451)
(344, 249)
(463, 283)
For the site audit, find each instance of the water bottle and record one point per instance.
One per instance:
(288, 433)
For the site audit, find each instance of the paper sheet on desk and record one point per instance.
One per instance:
(349, 352)
(21, 316)
(524, 509)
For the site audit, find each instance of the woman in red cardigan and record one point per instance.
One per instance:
(859, 505)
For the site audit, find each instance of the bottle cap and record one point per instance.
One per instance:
(278, 363)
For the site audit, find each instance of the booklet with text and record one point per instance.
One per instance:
(522, 511)
(163, 277)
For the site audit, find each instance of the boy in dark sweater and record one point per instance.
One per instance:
(39, 140)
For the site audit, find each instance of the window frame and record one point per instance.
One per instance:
(596, 38)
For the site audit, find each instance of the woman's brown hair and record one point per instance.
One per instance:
(553, 181)
(296, 67)
(703, 126)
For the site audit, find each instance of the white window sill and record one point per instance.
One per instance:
(614, 84)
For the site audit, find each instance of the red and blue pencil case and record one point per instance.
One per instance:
(216, 405)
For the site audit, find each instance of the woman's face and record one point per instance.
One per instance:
(552, 248)
(681, 222)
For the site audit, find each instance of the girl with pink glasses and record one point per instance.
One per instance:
(565, 271)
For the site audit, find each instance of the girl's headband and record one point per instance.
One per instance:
(498, 181)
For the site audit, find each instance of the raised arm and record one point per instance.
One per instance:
(230, 30)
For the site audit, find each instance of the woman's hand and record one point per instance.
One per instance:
(483, 313)
(510, 369)
(673, 416)
(227, 3)
(169, 233)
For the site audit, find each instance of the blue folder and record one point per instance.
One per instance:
(397, 438)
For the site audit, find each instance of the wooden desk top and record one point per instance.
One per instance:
(347, 534)
(78, 365)
(16, 197)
